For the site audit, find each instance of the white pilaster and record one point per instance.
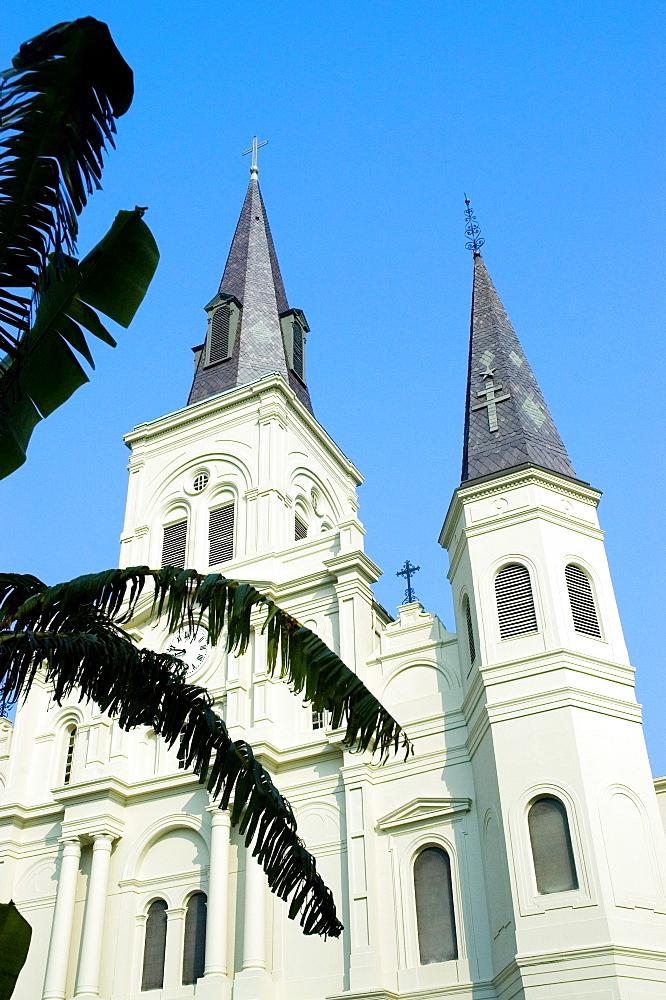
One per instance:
(55, 980)
(218, 895)
(93, 927)
(173, 957)
(254, 922)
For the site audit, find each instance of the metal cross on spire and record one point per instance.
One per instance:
(254, 168)
(472, 231)
(408, 571)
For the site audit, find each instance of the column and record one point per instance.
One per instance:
(218, 894)
(55, 981)
(254, 924)
(93, 926)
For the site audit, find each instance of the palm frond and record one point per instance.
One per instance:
(45, 370)
(58, 106)
(74, 630)
(143, 688)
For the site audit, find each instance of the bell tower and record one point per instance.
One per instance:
(572, 841)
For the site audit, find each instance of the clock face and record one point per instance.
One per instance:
(189, 645)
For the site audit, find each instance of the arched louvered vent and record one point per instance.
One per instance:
(221, 534)
(300, 528)
(173, 544)
(470, 632)
(583, 610)
(515, 603)
(218, 347)
(69, 755)
(297, 331)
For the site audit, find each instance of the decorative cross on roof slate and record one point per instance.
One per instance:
(491, 400)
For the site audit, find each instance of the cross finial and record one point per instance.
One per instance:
(254, 169)
(472, 231)
(408, 571)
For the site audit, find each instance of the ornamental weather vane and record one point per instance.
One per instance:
(408, 571)
(254, 168)
(472, 231)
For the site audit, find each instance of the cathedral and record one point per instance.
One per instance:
(518, 853)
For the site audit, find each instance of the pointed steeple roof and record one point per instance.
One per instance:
(507, 422)
(251, 277)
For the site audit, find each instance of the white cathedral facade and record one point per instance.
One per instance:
(519, 853)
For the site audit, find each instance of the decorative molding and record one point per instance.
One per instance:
(423, 811)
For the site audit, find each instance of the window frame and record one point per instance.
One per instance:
(579, 565)
(569, 846)
(519, 852)
(516, 560)
(415, 858)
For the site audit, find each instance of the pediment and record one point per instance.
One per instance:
(423, 811)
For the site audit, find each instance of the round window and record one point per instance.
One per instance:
(200, 482)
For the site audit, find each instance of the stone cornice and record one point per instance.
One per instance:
(531, 475)
(213, 405)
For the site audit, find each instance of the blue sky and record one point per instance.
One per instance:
(379, 116)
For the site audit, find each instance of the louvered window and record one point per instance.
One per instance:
(173, 545)
(582, 602)
(515, 603)
(297, 341)
(155, 946)
(300, 528)
(221, 534)
(194, 948)
(218, 347)
(470, 632)
(554, 865)
(69, 755)
(435, 917)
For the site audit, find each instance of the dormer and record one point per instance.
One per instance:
(294, 329)
(224, 313)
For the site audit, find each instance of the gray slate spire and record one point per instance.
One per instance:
(507, 422)
(252, 276)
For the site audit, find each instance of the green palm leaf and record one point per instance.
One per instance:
(45, 370)
(57, 109)
(15, 934)
(74, 631)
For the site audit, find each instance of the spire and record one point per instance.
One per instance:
(251, 330)
(507, 422)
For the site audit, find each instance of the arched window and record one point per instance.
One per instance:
(554, 865)
(221, 534)
(471, 645)
(155, 946)
(173, 544)
(515, 603)
(69, 754)
(218, 338)
(435, 918)
(583, 611)
(194, 949)
(300, 528)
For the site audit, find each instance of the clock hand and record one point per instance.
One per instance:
(176, 652)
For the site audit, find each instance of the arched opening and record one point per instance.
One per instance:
(471, 644)
(581, 599)
(515, 602)
(554, 865)
(69, 754)
(435, 917)
(154, 949)
(194, 948)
